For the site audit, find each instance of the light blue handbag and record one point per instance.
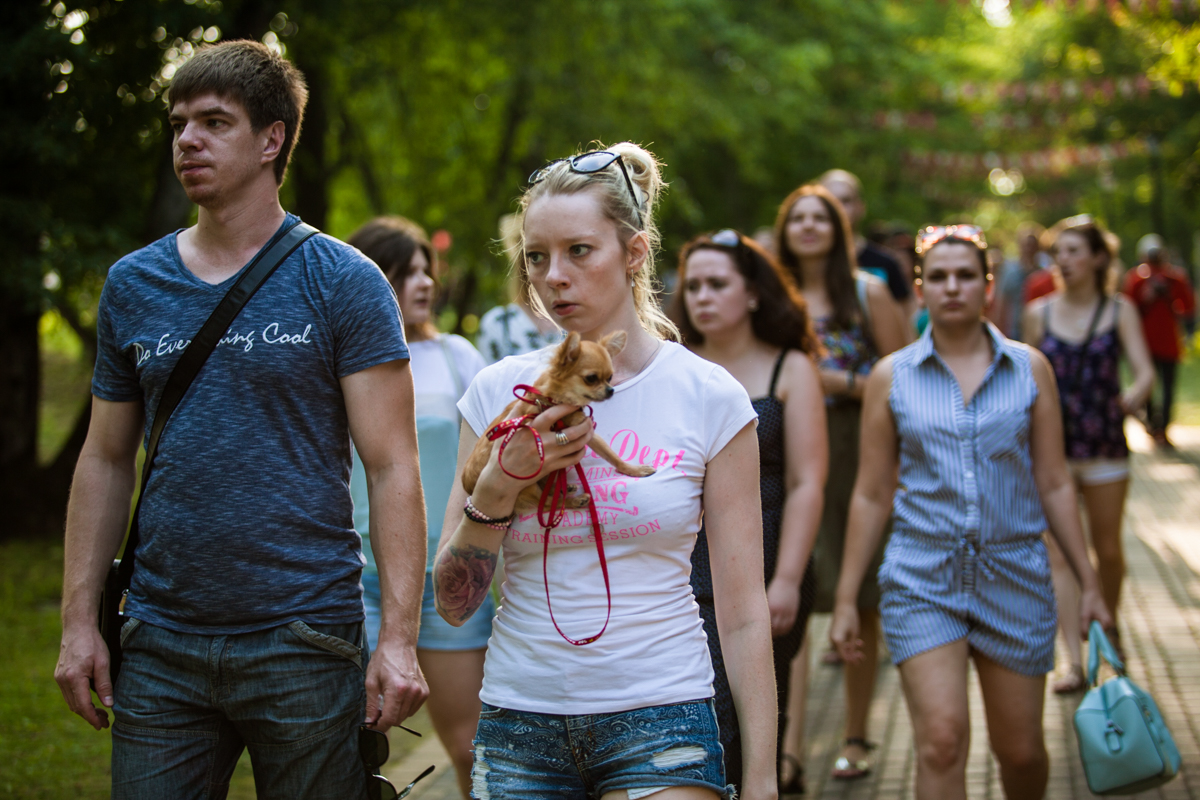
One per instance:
(1123, 742)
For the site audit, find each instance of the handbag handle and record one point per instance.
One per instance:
(283, 244)
(1098, 645)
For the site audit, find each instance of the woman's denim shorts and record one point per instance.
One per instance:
(524, 754)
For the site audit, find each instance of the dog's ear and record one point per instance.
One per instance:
(614, 342)
(567, 352)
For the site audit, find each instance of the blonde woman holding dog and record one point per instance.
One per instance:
(598, 681)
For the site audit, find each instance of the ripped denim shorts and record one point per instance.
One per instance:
(522, 754)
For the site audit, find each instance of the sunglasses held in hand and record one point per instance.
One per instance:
(374, 750)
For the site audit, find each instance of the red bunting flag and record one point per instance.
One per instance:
(1052, 161)
(1110, 6)
(1052, 90)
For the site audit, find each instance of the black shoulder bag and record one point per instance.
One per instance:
(120, 576)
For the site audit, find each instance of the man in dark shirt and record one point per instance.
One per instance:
(245, 618)
(847, 188)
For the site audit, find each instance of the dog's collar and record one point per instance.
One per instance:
(542, 402)
(532, 396)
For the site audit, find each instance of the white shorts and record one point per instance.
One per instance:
(1098, 471)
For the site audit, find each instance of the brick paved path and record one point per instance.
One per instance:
(1160, 621)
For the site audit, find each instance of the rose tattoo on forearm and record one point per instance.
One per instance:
(462, 579)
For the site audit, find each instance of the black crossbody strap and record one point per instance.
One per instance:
(197, 352)
(1091, 334)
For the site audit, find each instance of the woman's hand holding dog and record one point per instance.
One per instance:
(496, 492)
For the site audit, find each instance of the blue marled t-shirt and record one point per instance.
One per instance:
(247, 521)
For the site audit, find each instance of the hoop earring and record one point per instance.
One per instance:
(753, 304)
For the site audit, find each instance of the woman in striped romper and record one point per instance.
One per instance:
(972, 422)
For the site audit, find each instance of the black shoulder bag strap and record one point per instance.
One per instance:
(186, 368)
(1091, 334)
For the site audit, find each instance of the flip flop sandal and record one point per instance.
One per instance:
(1072, 682)
(794, 784)
(846, 770)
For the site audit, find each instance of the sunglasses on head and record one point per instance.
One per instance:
(374, 750)
(589, 164)
(727, 238)
(935, 234)
(1077, 220)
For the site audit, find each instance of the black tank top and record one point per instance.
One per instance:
(771, 482)
(1089, 388)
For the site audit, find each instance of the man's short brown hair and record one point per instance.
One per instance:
(267, 85)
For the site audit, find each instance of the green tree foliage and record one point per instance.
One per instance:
(443, 117)
(82, 155)
(438, 110)
(1153, 189)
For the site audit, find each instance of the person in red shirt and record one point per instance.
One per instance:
(1164, 297)
(1039, 284)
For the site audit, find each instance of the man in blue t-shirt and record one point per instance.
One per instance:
(245, 611)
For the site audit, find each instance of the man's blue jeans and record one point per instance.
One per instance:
(187, 705)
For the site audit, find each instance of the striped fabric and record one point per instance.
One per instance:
(966, 558)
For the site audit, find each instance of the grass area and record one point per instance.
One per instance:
(45, 750)
(1187, 393)
(66, 378)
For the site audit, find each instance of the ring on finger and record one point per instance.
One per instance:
(561, 438)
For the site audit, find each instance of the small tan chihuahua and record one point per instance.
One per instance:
(578, 374)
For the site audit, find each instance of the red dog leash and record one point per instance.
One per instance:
(555, 491)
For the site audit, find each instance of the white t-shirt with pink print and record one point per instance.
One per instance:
(676, 415)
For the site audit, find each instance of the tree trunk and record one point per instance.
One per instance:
(170, 208)
(309, 169)
(20, 379)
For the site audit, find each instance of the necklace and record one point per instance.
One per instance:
(649, 358)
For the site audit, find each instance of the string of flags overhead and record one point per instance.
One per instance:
(1033, 104)
(993, 120)
(1111, 6)
(1052, 92)
(1049, 161)
(1054, 198)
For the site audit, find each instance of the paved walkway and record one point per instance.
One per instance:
(1160, 621)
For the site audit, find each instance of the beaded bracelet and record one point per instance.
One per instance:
(495, 523)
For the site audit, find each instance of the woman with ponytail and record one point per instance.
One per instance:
(857, 322)
(1084, 329)
(624, 711)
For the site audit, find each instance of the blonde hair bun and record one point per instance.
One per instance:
(645, 170)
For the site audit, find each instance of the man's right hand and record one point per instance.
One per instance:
(97, 518)
(83, 657)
